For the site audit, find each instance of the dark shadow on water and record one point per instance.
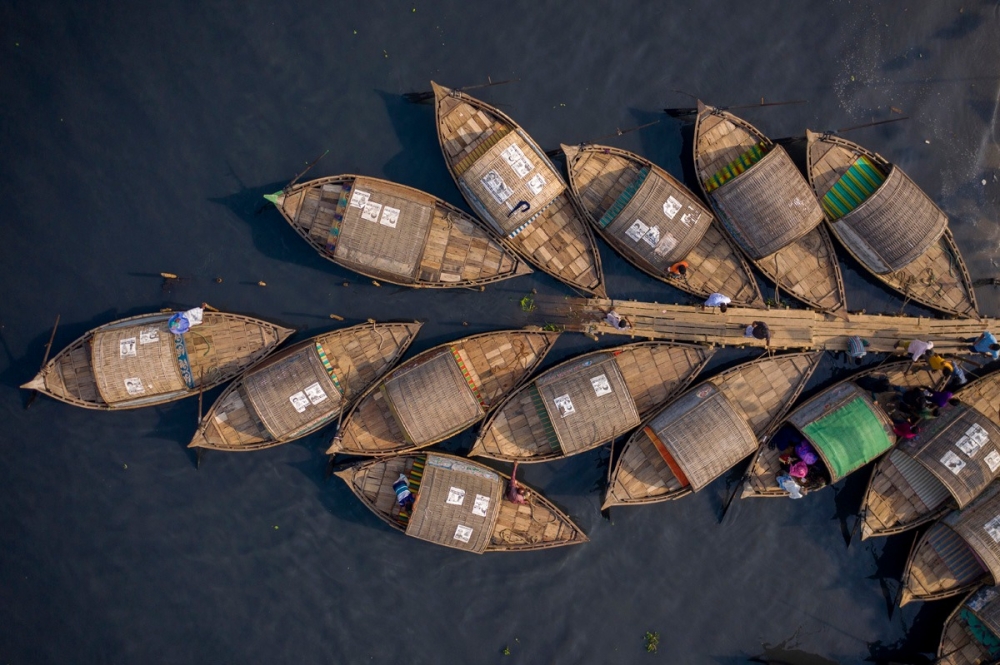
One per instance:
(889, 555)
(966, 23)
(919, 645)
(847, 498)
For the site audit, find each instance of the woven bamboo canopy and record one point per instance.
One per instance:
(979, 525)
(138, 362)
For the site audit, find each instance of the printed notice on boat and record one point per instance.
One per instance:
(127, 347)
(637, 230)
(671, 207)
(134, 386)
(233, 403)
(666, 244)
(299, 401)
(390, 216)
(565, 405)
(953, 462)
(149, 336)
(456, 496)
(315, 393)
(359, 199)
(517, 161)
(974, 438)
(993, 461)
(690, 218)
(536, 184)
(993, 528)
(601, 385)
(481, 505)
(652, 236)
(463, 533)
(371, 211)
(495, 185)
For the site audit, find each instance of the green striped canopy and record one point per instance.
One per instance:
(849, 437)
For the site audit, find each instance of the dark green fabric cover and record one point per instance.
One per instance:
(849, 438)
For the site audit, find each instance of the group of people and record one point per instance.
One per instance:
(802, 471)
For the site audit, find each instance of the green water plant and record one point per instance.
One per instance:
(652, 641)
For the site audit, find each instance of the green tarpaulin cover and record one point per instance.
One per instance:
(848, 438)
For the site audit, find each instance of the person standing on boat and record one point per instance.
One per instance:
(985, 344)
(717, 300)
(679, 270)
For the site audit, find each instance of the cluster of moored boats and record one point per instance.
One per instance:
(685, 432)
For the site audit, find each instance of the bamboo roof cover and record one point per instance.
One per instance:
(960, 449)
(985, 604)
(588, 401)
(894, 226)
(383, 229)
(769, 206)
(432, 397)
(133, 361)
(704, 434)
(457, 504)
(979, 525)
(292, 393)
(512, 181)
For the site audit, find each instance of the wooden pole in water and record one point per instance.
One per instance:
(618, 132)
(428, 95)
(45, 359)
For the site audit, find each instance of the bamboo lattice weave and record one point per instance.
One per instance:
(383, 231)
(704, 434)
(292, 392)
(456, 505)
(432, 398)
(979, 525)
(896, 225)
(136, 361)
(985, 603)
(769, 206)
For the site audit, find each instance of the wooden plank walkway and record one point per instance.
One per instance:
(790, 328)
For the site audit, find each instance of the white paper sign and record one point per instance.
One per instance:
(517, 161)
(371, 211)
(671, 207)
(315, 393)
(456, 496)
(149, 336)
(390, 216)
(601, 385)
(481, 505)
(666, 244)
(134, 386)
(993, 461)
(299, 401)
(463, 533)
(495, 185)
(126, 347)
(690, 218)
(565, 405)
(993, 528)
(536, 184)
(637, 230)
(652, 236)
(359, 199)
(953, 462)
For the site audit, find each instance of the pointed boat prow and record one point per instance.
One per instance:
(277, 198)
(37, 383)
(199, 440)
(570, 151)
(702, 106)
(345, 473)
(439, 90)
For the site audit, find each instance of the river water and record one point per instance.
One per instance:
(139, 137)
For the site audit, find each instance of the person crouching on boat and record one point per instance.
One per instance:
(404, 497)
(717, 300)
(516, 493)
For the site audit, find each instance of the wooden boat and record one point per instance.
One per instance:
(507, 179)
(137, 361)
(440, 392)
(762, 199)
(707, 430)
(950, 462)
(971, 634)
(303, 388)
(845, 426)
(459, 503)
(589, 400)
(889, 225)
(395, 233)
(654, 221)
(956, 554)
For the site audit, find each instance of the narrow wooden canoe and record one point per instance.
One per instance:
(137, 361)
(654, 221)
(843, 423)
(971, 634)
(707, 430)
(762, 199)
(956, 554)
(507, 179)
(951, 461)
(588, 401)
(440, 392)
(395, 233)
(460, 504)
(303, 388)
(889, 225)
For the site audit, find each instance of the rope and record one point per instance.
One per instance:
(381, 337)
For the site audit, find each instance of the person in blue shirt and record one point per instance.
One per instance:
(985, 344)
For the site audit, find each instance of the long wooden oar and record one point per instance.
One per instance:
(428, 95)
(618, 132)
(794, 139)
(683, 111)
(304, 171)
(45, 360)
